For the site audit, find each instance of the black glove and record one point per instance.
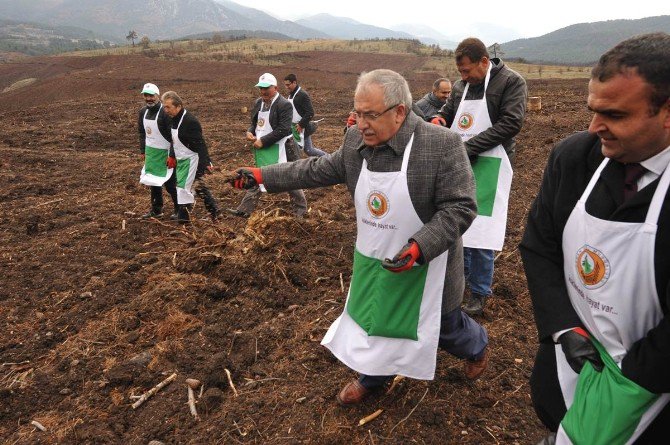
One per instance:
(578, 349)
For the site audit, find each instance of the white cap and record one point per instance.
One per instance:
(150, 88)
(266, 80)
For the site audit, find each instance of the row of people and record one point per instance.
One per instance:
(176, 157)
(594, 249)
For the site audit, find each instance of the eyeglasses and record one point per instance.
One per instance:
(371, 116)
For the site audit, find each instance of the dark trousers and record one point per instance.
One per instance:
(460, 335)
(545, 392)
(157, 194)
(203, 192)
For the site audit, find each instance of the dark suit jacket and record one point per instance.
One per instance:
(570, 166)
(281, 115)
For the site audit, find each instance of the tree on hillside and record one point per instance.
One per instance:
(132, 35)
(496, 49)
(144, 42)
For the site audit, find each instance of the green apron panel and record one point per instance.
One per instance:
(296, 134)
(384, 303)
(267, 156)
(183, 168)
(486, 170)
(607, 406)
(155, 161)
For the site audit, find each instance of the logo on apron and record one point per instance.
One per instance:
(465, 121)
(592, 266)
(378, 204)
(260, 123)
(148, 130)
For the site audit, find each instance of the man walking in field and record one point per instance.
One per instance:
(270, 134)
(303, 112)
(414, 195)
(486, 108)
(153, 126)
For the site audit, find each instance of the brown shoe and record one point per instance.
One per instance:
(352, 393)
(474, 368)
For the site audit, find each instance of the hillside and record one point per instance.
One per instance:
(346, 28)
(37, 39)
(167, 18)
(582, 43)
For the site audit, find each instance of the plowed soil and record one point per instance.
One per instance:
(98, 305)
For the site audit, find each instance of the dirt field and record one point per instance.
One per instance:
(97, 305)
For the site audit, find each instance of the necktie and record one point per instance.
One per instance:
(632, 172)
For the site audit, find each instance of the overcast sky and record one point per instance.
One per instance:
(528, 18)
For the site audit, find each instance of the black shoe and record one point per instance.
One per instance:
(184, 214)
(152, 214)
(238, 213)
(174, 217)
(475, 306)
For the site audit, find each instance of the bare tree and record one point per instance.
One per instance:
(496, 49)
(132, 35)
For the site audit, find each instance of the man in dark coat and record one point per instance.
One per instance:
(597, 192)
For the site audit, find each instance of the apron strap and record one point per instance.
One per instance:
(486, 83)
(405, 156)
(594, 180)
(181, 120)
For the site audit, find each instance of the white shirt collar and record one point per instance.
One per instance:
(658, 162)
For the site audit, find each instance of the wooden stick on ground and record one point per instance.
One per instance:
(38, 425)
(154, 390)
(191, 403)
(230, 381)
(370, 418)
(191, 385)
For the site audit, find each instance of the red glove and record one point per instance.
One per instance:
(405, 259)
(437, 120)
(351, 120)
(171, 162)
(246, 178)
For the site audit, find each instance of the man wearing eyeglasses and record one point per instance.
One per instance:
(269, 136)
(486, 108)
(414, 195)
(153, 126)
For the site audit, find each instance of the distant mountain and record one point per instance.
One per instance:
(427, 35)
(262, 21)
(239, 34)
(346, 28)
(38, 39)
(158, 19)
(583, 43)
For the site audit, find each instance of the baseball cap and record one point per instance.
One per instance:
(150, 88)
(266, 80)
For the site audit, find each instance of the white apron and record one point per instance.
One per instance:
(187, 166)
(156, 152)
(609, 270)
(275, 153)
(493, 175)
(391, 321)
(298, 136)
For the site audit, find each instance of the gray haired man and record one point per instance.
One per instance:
(414, 197)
